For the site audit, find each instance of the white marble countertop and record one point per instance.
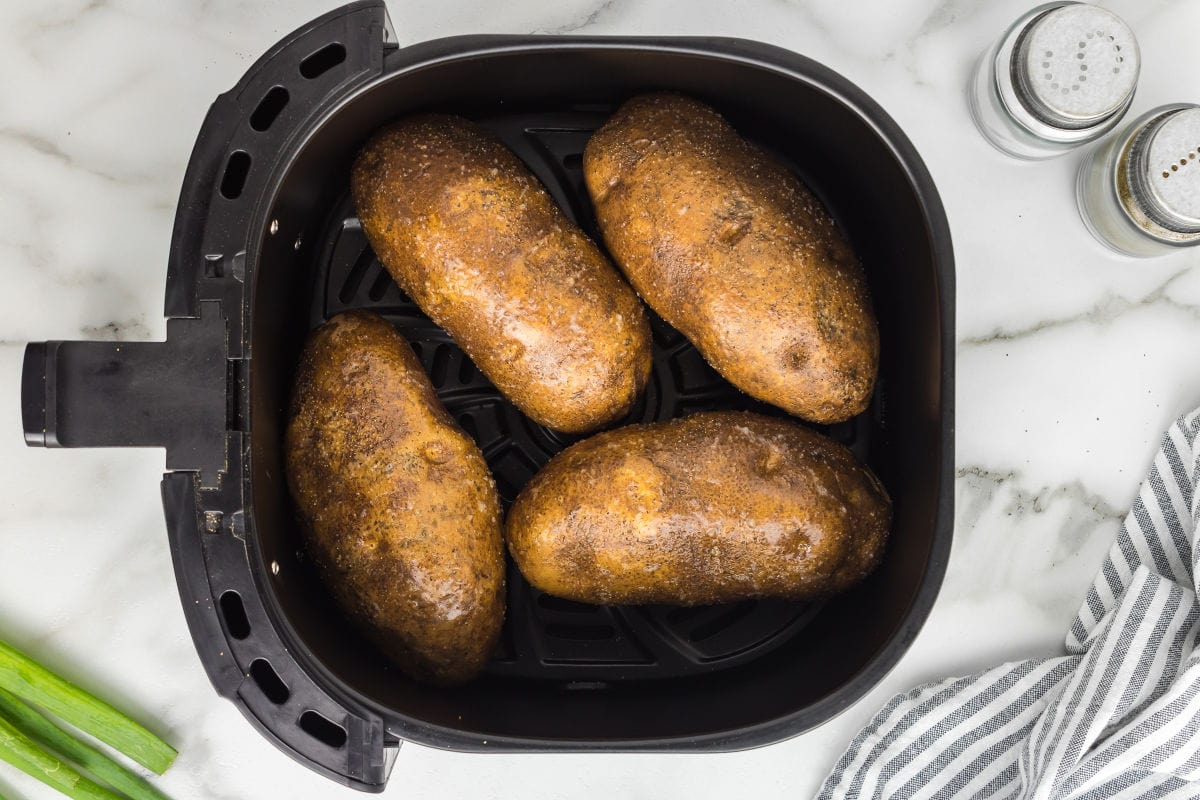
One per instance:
(1070, 360)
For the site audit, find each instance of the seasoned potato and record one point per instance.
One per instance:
(715, 507)
(479, 245)
(732, 250)
(399, 510)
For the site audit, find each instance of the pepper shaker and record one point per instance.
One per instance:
(1139, 193)
(1062, 75)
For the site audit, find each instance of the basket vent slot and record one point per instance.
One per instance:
(234, 614)
(379, 286)
(269, 108)
(236, 170)
(726, 618)
(323, 60)
(269, 681)
(322, 729)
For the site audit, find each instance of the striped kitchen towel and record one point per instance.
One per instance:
(1117, 717)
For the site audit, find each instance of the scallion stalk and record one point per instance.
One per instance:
(31, 722)
(33, 683)
(23, 753)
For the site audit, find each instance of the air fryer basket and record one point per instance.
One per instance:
(266, 247)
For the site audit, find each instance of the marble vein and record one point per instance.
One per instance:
(586, 19)
(946, 14)
(1109, 308)
(988, 482)
(46, 146)
(810, 14)
(1040, 545)
(70, 18)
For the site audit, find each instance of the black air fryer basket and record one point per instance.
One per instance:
(266, 247)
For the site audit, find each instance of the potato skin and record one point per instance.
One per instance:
(711, 508)
(734, 251)
(480, 246)
(398, 508)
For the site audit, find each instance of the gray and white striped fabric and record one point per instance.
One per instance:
(1117, 717)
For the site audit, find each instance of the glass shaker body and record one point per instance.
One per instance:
(1062, 75)
(1139, 192)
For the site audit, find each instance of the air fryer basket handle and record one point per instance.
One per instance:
(168, 394)
(189, 393)
(218, 239)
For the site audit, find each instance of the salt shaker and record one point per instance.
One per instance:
(1062, 75)
(1139, 192)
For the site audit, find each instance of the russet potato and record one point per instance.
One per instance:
(472, 237)
(399, 511)
(711, 508)
(735, 252)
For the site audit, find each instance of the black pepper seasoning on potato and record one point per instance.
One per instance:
(472, 237)
(736, 253)
(712, 508)
(398, 508)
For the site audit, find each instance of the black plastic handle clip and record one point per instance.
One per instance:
(171, 394)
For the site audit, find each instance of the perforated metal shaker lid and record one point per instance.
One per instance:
(1075, 66)
(1164, 171)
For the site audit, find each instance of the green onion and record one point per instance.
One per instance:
(24, 754)
(36, 726)
(33, 683)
